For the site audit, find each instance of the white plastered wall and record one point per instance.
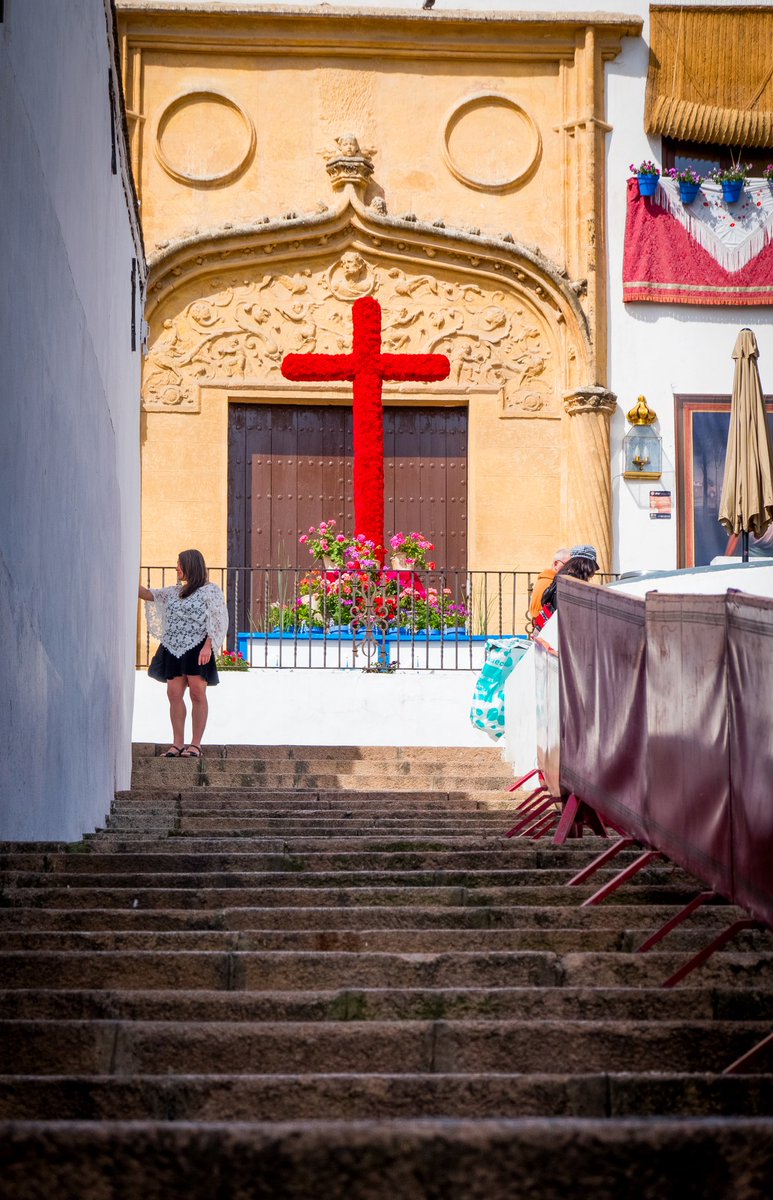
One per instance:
(69, 488)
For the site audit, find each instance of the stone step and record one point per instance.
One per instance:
(196, 896)
(623, 918)
(194, 1097)
(497, 853)
(393, 1047)
(390, 1004)
(392, 941)
(243, 779)
(292, 801)
(142, 751)
(439, 764)
(478, 1159)
(471, 869)
(287, 970)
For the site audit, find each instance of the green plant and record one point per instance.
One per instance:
(324, 542)
(645, 168)
(231, 660)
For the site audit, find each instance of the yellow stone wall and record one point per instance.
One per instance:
(492, 127)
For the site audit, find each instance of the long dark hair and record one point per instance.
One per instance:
(194, 571)
(579, 567)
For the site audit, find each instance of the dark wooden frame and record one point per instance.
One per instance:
(685, 405)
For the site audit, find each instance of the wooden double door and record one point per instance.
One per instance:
(290, 467)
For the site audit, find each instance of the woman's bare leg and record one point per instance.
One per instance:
(199, 707)
(175, 690)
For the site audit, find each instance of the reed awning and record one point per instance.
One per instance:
(710, 75)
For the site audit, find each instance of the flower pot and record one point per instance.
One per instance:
(329, 564)
(648, 185)
(399, 562)
(688, 191)
(731, 190)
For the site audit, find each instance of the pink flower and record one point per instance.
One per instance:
(312, 529)
(340, 537)
(303, 539)
(323, 545)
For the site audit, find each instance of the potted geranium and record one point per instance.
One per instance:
(731, 180)
(648, 175)
(689, 182)
(768, 174)
(409, 552)
(325, 542)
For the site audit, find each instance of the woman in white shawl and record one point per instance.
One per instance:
(191, 621)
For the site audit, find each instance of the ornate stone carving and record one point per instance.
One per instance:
(589, 400)
(350, 164)
(241, 331)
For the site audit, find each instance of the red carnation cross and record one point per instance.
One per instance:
(366, 367)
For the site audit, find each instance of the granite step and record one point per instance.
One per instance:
(680, 1158)
(53, 1047)
(197, 1097)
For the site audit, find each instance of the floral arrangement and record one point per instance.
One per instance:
(735, 174)
(430, 609)
(231, 660)
(645, 168)
(324, 600)
(324, 541)
(413, 547)
(767, 172)
(685, 175)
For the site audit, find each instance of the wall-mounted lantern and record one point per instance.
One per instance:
(641, 445)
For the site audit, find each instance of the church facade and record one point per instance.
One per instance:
(468, 170)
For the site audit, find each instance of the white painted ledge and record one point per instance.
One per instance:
(267, 707)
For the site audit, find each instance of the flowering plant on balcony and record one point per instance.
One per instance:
(684, 175)
(645, 168)
(430, 609)
(767, 172)
(362, 554)
(231, 660)
(325, 541)
(412, 549)
(734, 174)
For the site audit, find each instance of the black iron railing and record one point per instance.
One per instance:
(294, 617)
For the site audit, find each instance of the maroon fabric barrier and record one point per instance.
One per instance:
(750, 688)
(548, 718)
(687, 810)
(603, 701)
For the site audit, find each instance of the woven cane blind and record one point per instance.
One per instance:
(710, 75)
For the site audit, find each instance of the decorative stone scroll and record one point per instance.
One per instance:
(496, 339)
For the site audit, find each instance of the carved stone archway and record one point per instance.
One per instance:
(224, 308)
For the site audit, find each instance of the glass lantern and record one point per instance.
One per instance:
(642, 447)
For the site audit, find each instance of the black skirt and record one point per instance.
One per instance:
(165, 666)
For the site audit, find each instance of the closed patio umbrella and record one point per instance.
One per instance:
(746, 503)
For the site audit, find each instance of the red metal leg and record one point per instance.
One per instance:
(527, 828)
(682, 915)
(622, 877)
(530, 809)
(603, 858)
(545, 826)
(740, 1064)
(719, 941)
(571, 805)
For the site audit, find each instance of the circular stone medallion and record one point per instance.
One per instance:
(204, 138)
(490, 143)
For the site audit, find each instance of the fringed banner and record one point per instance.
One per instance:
(704, 253)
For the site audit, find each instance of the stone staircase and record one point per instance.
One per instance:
(323, 972)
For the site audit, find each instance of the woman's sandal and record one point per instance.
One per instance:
(191, 751)
(174, 752)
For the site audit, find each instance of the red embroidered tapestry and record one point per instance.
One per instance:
(706, 253)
